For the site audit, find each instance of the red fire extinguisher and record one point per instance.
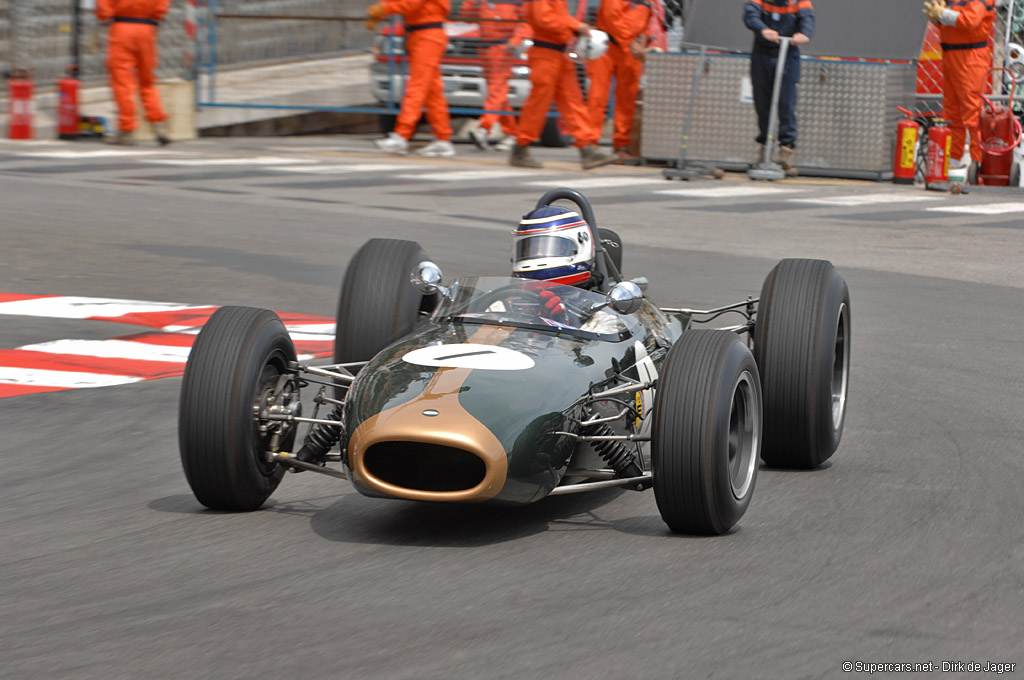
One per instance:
(22, 106)
(905, 163)
(940, 139)
(67, 104)
(998, 133)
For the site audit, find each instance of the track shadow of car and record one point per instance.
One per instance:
(355, 519)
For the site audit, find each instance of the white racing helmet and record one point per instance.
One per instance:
(589, 47)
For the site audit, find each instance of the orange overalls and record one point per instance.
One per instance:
(425, 42)
(966, 60)
(553, 76)
(623, 21)
(498, 41)
(132, 56)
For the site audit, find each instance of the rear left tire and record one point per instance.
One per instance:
(802, 347)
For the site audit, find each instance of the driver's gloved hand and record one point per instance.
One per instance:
(553, 304)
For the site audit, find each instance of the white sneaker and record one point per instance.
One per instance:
(393, 143)
(438, 149)
(506, 143)
(479, 137)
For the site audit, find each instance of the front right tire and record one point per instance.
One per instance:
(238, 359)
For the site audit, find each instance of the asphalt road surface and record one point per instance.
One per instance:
(908, 547)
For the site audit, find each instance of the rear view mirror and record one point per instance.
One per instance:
(427, 278)
(625, 297)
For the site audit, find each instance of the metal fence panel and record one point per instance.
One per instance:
(37, 35)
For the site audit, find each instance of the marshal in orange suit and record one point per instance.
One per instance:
(131, 59)
(625, 22)
(425, 43)
(503, 28)
(965, 28)
(553, 78)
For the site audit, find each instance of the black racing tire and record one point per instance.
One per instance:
(612, 243)
(972, 173)
(1015, 174)
(237, 356)
(706, 432)
(555, 133)
(378, 303)
(802, 347)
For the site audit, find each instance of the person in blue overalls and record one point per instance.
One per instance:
(769, 19)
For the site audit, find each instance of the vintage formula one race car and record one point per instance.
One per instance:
(465, 392)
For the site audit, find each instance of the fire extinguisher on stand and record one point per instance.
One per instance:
(22, 105)
(907, 134)
(67, 105)
(940, 139)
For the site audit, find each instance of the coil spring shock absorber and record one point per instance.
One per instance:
(321, 438)
(615, 453)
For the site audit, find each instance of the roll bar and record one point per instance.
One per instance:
(603, 269)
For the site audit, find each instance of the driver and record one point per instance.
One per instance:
(555, 245)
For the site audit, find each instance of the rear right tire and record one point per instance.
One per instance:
(378, 303)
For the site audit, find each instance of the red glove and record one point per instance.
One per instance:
(553, 304)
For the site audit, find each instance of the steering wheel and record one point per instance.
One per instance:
(515, 296)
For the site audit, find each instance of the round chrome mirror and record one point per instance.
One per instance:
(427, 277)
(625, 297)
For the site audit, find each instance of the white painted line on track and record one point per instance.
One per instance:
(597, 182)
(865, 199)
(85, 307)
(11, 375)
(255, 160)
(728, 192)
(362, 167)
(990, 209)
(113, 349)
(101, 153)
(468, 175)
(312, 330)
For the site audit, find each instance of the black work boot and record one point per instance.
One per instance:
(522, 158)
(591, 157)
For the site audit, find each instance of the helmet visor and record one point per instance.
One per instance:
(545, 246)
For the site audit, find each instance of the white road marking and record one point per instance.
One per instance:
(728, 192)
(865, 199)
(360, 167)
(255, 160)
(11, 375)
(310, 329)
(990, 209)
(100, 153)
(85, 307)
(467, 175)
(113, 349)
(598, 182)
